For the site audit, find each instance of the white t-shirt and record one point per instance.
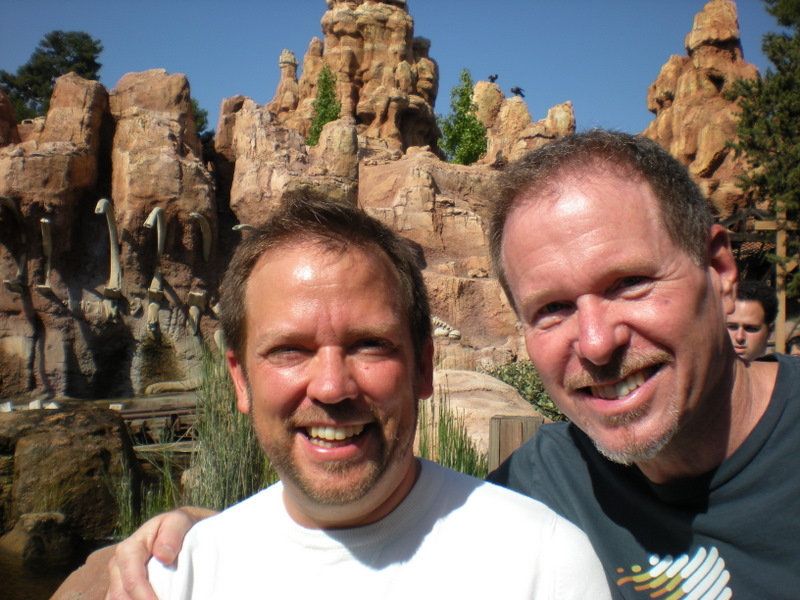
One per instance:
(453, 536)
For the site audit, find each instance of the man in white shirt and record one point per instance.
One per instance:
(326, 316)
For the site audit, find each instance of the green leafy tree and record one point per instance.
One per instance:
(200, 118)
(327, 107)
(463, 135)
(58, 53)
(769, 121)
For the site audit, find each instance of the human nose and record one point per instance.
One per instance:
(739, 335)
(330, 378)
(601, 331)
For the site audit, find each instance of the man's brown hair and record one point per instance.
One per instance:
(336, 227)
(685, 213)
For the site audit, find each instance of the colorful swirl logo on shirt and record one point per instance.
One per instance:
(683, 578)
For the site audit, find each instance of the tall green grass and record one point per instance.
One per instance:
(137, 501)
(443, 438)
(228, 464)
(226, 467)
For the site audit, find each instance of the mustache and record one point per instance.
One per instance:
(340, 412)
(620, 367)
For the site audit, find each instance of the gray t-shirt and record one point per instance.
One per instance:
(734, 532)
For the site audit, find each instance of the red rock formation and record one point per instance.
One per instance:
(287, 96)
(693, 120)
(64, 325)
(64, 460)
(385, 79)
(157, 162)
(73, 323)
(46, 178)
(443, 208)
(510, 131)
(264, 160)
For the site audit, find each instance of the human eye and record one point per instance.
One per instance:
(752, 328)
(632, 286)
(373, 346)
(552, 308)
(285, 354)
(551, 314)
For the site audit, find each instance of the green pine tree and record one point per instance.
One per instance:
(326, 105)
(769, 121)
(58, 53)
(463, 135)
(200, 118)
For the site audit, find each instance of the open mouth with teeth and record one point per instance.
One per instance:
(620, 389)
(333, 437)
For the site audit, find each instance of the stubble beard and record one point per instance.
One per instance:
(390, 451)
(635, 449)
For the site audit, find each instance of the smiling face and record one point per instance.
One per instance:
(330, 381)
(626, 330)
(748, 329)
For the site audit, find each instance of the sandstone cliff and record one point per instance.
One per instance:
(693, 120)
(385, 79)
(510, 129)
(115, 224)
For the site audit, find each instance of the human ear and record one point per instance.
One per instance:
(722, 264)
(426, 371)
(237, 373)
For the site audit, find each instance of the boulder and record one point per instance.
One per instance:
(39, 539)
(66, 461)
(477, 397)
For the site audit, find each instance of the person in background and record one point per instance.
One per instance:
(752, 321)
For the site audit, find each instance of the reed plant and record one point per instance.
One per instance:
(443, 437)
(127, 496)
(50, 497)
(228, 464)
(138, 500)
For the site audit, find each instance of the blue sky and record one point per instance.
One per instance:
(600, 54)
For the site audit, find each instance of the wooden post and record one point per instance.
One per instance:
(782, 270)
(507, 433)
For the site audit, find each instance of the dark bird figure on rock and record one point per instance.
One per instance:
(517, 91)
(492, 78)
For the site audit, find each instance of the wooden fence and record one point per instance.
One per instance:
(507, 433)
